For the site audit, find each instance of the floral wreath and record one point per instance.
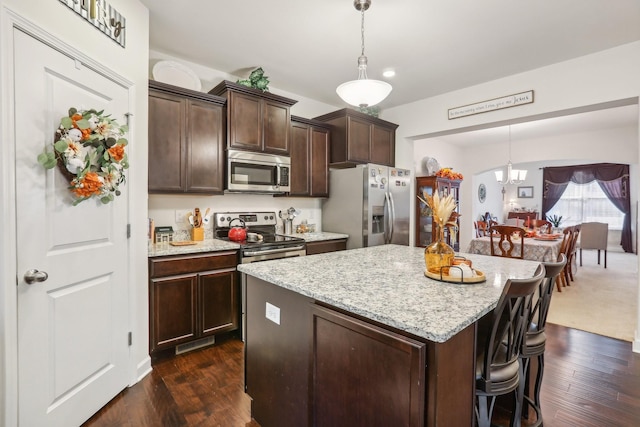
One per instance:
(89, 151)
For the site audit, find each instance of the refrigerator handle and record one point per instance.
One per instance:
(392, 218)
(387, 215)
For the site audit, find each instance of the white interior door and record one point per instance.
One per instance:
(73, 327)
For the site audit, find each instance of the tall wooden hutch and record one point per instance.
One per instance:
(426, 229)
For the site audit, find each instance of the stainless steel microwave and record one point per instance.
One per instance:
(257, 172)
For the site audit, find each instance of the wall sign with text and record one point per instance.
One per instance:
(101, 15)
(491, 105)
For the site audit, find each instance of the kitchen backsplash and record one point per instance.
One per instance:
(173, 210)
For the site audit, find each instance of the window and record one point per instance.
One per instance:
(586, 203)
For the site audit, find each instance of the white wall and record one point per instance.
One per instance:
(131, 63)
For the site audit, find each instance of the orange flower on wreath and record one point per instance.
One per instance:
(89, 185)
(116, 152)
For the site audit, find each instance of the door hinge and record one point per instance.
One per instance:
(128, 118)
(130, 339)
(128, 231)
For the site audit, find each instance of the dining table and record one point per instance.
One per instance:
(535, 248)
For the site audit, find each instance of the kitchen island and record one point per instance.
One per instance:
(362, 337)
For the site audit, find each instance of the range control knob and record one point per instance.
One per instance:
(228, 218)
(266, 217)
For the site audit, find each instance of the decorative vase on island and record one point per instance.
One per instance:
(438, 254)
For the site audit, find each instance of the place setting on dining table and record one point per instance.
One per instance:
(531, 242)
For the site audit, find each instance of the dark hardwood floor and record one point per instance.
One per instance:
(589, 381)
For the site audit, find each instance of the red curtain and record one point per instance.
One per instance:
(613, 178)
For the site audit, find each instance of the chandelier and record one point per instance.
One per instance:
(363, 92)
(514, 176)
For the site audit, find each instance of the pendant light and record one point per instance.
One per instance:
(363, 92)
(514, 176)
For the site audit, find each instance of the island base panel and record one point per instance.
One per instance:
(306, 361)
(277, 355)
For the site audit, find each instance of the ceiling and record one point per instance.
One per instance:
(309, 48)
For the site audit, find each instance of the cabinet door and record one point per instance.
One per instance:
(319, 162)
(219, 304)
(358, 366)
(383, 146)
(167, 143)
(299, 160)
(275, 127)
(172, 310)
(245, 122)
(425, 228)
(359, 136)
(205, 148)
(314, 248)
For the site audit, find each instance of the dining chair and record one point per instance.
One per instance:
(562, 254)
(535, 339)
(571, 235)
(500, 337)
(594, 235)
(501, 239)
(480, 228)
(573, 250)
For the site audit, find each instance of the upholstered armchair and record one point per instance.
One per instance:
(594, 235)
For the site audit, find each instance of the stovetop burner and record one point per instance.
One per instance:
(263, 223)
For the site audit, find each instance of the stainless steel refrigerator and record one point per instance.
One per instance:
(370, 203)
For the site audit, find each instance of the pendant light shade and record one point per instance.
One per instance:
(363, 92)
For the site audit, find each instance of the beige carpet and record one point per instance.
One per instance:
(601, 301)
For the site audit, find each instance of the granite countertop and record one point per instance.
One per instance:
(387, 284)
(318, 236)
(207, 245)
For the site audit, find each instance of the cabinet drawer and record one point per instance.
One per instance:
(326, 246)
(192, 263)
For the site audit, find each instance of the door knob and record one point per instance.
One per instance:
(32, 276)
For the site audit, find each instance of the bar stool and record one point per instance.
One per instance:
(498, 369)
(534, 342)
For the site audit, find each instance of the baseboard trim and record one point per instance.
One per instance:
(142, 370)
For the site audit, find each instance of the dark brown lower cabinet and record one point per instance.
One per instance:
(191, 297)
(324, 246)
(314, 365)
(364, 375)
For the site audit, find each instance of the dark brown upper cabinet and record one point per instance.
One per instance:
(310, 142)
(360, 138)
(256, 121)
(186, 140)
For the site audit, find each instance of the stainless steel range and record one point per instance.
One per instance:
(265, 244)
(262, 243)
